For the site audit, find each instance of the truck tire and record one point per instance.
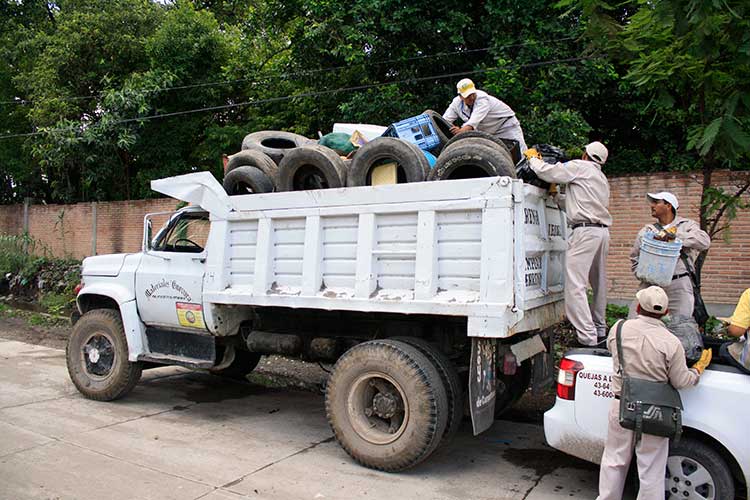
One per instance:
(244, 363)
(471, 158)
(274, 143)
(97, 356)
(411, 163)
(311, 167)
(510, 388)
(442, 127)
(247, 180)
(451, 381)
(474, 134)
(386, 405)
(253, 158)
(695, 470)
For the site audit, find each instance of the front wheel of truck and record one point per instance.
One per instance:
(386, 405)
(97, 357)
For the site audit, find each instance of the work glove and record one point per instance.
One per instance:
(666, 234)
(702, 363)
(532, 153)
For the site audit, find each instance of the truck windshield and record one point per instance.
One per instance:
(188, 233)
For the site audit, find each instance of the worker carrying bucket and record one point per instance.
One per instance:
(664, 253)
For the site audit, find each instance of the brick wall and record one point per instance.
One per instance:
(66, 230)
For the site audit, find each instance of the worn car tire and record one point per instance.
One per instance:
(471, 158)
(274, 143)
(475, 134)
(311, 167)
(253, 158)
(442, 127)
(411, 162)
(97, 356)
(247, 180)
(244, 362)
(688, 460)
(404, 395)
(451, 382)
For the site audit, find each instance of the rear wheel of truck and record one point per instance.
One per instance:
(451, 381)
(695, 470)
(386, 404)
(97, 357)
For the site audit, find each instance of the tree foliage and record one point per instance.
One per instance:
(119, 92)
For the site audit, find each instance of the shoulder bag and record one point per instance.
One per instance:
(648, 407)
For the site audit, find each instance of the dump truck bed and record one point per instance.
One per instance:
(489, 249)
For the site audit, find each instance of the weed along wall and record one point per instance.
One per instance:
(83, 229)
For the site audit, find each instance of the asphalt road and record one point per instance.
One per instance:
(188, 435)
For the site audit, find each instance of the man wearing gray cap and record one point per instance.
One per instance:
(480, 111)
(587, 207)
(668, 224)
(649, 352)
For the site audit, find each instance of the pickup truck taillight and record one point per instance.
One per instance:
(78, 288)
(566, 378)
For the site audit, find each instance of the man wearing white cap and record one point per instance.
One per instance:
(480, 111)
(649, 352)
(664, 207)
(587, 207)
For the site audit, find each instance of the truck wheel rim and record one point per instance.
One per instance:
(98, 355)
(688, 479)
(378, 408)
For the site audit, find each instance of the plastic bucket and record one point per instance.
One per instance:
(657, 260)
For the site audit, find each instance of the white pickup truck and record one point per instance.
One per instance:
(415, 290)
(711, 460)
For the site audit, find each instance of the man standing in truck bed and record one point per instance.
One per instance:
(587, 208)
(480, 111)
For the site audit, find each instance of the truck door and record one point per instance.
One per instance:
(169, 281)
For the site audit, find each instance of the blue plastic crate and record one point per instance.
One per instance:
(418, 130)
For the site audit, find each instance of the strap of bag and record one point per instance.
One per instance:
(690, 270)
(678, 431)
(618, 335)
(638, 421)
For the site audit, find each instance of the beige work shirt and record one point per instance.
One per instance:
(650, 352)
(586, 192)
(694, 241)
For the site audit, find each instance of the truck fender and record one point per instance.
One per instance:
(135, 330)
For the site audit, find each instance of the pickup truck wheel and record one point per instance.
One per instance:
(386, 405)
(97, 357)
(472, 158)
(451, 381)
(697, 471)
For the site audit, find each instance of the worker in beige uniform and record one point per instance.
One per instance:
(480, 111)
(586, 204)
(650, 352)
(664, 208)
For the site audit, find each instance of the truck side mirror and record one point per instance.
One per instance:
(147, 230)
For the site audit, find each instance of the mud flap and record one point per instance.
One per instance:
(543, 367)
(482, 383)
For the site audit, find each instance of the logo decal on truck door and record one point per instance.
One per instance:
(190, 315)
(173, 290)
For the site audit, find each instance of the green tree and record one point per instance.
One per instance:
(693, 61)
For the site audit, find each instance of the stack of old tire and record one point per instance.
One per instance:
(283, 161)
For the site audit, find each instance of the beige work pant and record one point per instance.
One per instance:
(651, 455)
(586, 263)
(680, 295)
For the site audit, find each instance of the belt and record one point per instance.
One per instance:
(587, 224)
(678, 276)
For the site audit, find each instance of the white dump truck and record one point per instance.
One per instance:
(420, 294)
